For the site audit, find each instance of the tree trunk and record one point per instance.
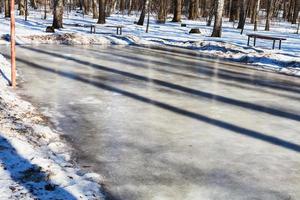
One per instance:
(233, 11)
(58, 13)
(95, 10)
(217, 31)
(211, 13)
(122, 6)
(162, 14)
(253, 11)
(1, 5)
(256, 18)
(86, 8)
(177, 11)
(298, 29)
(101, 18)
(296, 11)
(269, 15)
(33, 4)
(143, 13)
(242, 14)
(7, 8)
(194, 9)
(21, 8)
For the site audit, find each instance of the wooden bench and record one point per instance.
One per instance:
(119, 28)
(265, 37)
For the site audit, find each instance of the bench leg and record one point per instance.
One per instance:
(248, 41)
(254, 43)
(120, 31)
(91, 29)
(279, 44)
(274, 44)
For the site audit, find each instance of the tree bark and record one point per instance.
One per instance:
(95, 10)
(143, 13)
(233, 11)
(257, 8)
(269, 14)
(122, 6)
(217, 31)
(177, 11)
(101, 18)
(7, 8)
(1, 5)
(21, 8)
(194, 9)
(296, 11)
(86, 8)
(211, 13)
(58, 14)
(33, 4)
(242, 14)
(162, 14)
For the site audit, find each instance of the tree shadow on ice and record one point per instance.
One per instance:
(185, 113)
(187, 90)
(5, 77)
(224, 76)
(29, 176)
(164, 169)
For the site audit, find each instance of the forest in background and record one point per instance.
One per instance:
(213, 11)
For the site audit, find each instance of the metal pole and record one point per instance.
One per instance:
(12, 43)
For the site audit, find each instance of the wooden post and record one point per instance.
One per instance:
(12, 43)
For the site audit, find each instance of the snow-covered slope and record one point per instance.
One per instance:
(35, 163)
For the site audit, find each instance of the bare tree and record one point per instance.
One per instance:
(233, 10)
(21, 7)
(101, 18)
(194, 9)
(269, 14)
(242, 17)
(33, 4)
(7, 8)
(177, 11)
(58, 13)
(217, 31)
(162, 14)
(296, 11)
(257, 6)
(143, 13)
(95, 10)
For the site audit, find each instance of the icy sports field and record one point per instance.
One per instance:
(231, 46)
(163, 125)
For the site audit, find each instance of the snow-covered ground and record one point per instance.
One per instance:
(34, 161)
(232, 46)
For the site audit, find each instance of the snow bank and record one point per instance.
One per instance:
(34, 161)
(258, 57)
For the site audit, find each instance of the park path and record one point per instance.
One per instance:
(163, 125)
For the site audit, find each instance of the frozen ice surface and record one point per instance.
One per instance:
(164, 125)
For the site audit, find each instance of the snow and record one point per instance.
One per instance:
(232, 46)
(34, 161)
